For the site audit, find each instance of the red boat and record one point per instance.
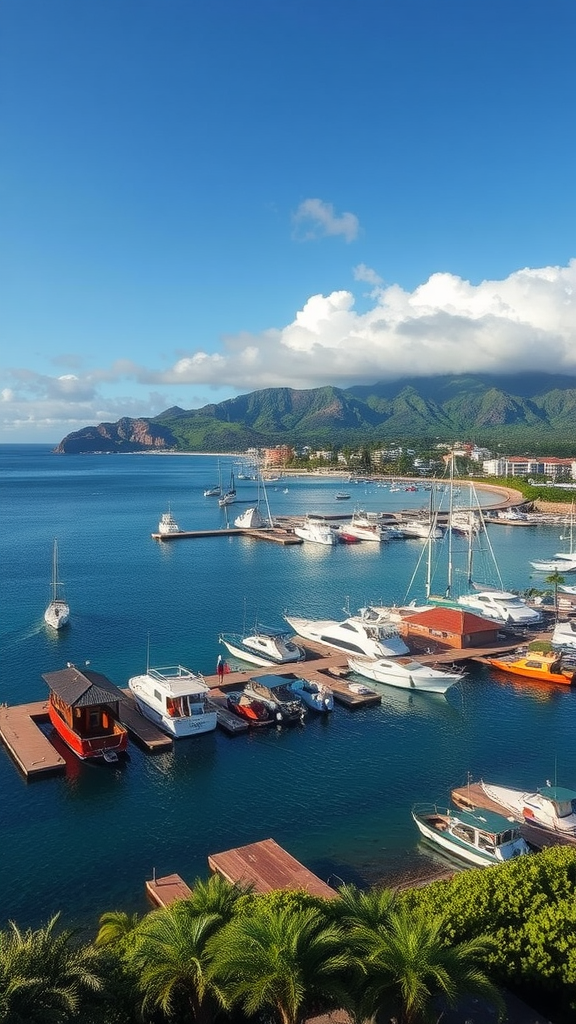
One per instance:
(253, 711)
(84, 709)
(347, 538)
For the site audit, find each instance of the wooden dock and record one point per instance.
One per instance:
(140, 728)
(21, 734)
(164, 891)
(277, 535)
(267, 867)
(227, 720)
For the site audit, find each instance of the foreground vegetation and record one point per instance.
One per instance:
(227, 955)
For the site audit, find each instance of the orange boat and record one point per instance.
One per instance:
(84, 709)
(535, 665)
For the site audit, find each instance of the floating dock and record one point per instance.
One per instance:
(267, 867)
(21, 734)
(472, 797)
(140, 728)
(164, 891)
(276, 535)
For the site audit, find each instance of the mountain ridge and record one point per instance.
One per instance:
(527, 407)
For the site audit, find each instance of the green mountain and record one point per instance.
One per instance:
(528, 409)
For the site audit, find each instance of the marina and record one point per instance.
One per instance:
(337, 790)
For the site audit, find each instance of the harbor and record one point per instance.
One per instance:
(335, 791)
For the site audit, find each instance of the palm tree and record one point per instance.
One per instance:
(356, 907)
(115, 925)
(44, 977)
(170, 957)
(556, 579)
(282, 959)
(410, 964)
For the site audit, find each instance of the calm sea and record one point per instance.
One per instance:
(336, 793)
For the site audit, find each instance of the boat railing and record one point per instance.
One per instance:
(173, 671)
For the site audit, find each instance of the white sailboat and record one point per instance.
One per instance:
(562, 561)
(57, 613)
(230, 496)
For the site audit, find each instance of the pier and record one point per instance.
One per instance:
(141, 729)
(267, 867)
(276, 535)
(164, 891)
(22, 736)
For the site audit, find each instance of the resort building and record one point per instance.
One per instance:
(520, 465)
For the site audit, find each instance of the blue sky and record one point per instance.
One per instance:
(206, 197)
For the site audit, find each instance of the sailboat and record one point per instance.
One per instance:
(230, 496)
(216, 490)
(252, 518)
(57, 613)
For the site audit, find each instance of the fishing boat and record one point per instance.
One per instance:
(544, 667)
(175, 699)
(84, 710)
(316, 696)
(479, 837)
(317, 531)
(263, 647)
(167, 524)
(249, 709)
(275, 693)
(57, 613)
(552, 808)
(406, 673)
(352, 635)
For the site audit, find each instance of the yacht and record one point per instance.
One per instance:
(365, 527)
(57, 613)
(422, 529)
(317, 531)
(564, 634)
(502, 606)
(352, 636)
(479, 837)
(551, 807)
(167, 524)
(405, 673)
(263, 647)
(175, 699)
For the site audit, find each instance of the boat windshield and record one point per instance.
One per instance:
(186, 706)
(565, 807)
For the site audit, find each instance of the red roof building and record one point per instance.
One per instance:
(451, 627)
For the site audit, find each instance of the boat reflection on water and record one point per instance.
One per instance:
(417, 703)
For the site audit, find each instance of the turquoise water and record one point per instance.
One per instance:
(336, 793)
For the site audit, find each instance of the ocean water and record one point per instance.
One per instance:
(336, 792)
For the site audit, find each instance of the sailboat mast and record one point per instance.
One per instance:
(450, 511)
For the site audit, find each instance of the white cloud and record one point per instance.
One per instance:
(316, 219)
(364, 273)
(446, 325)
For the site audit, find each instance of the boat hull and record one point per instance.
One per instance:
(57, 614)
(84, 748)
(529, 807)
(471, 854)
(323, 632)
(404, 680)
(179, 728)
(541, 675)
(239, 650)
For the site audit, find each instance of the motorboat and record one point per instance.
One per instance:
(57, 613)
(564, 634)
(422, 529)
(276, 694)
(545, 668)
(315, 695)
(511, 515)
(84, 709)
(502, 606)
(249, 709)
(567, 589)
(351, 635)
(342, 496)
(479, 837)
(405, 673)
(317, 531)
(175, 699)
(465, 521)
(167, 524)
(560, 563)
(213, 492)
(263, 647)
(550, 807)
(252, 519)
(365, 527)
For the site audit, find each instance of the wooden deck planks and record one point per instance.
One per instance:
(27, 744)
(267, 867)
(164, 891)
(141, 728)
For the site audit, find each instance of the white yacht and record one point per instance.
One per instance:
(422, 529)
(352, 636)
(564, 634)
(366, 527)
(57, 613)
(167, 524)
(263, 647)
(502, 606)
(317, 531)
(174, 699)
(405, 673)
(551, 807)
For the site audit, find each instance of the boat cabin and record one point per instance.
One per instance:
(84, 710)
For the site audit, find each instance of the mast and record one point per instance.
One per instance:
(450, 511)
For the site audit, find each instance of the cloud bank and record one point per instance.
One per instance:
(526, 322)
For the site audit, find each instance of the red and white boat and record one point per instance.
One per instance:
(84, 710)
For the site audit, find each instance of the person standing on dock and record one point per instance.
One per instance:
(220, 668)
